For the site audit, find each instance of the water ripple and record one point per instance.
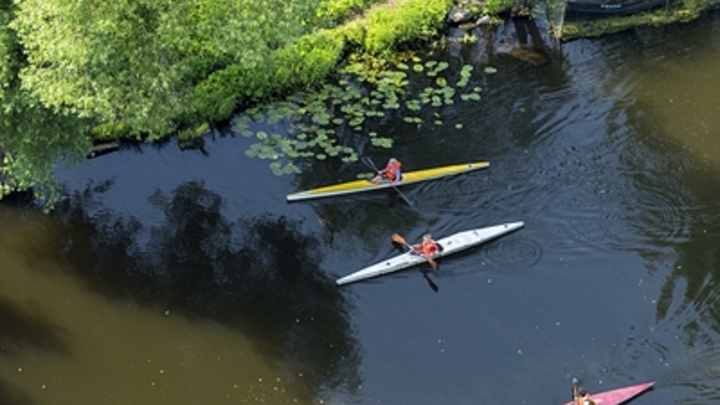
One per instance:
(513, 253)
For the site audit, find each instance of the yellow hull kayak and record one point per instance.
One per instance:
(358, 186)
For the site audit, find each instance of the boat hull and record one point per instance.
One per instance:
(358, 186)
(451, 244)
(620, 395)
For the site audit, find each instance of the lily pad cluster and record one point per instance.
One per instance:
(332, 121)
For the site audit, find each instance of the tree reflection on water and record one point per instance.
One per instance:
(259, 275)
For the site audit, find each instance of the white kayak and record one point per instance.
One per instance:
(451, 244)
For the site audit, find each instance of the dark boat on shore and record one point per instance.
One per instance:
(610, 7)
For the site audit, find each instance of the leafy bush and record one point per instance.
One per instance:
(354, 33)
(338, 10)
(392, 26)
(301, 64)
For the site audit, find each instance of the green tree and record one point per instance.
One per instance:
(32, 137)
(73, 72)
(131, 65)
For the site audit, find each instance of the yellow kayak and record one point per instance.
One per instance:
(358, 186)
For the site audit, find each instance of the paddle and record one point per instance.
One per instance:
(574, 388)
(399, 239)
(368, 162)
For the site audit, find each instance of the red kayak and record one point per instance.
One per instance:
(620, 395)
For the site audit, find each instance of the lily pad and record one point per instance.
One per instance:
(276, 168)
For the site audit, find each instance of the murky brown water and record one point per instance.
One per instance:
(182, 278)
(678, 93)
(64, 344)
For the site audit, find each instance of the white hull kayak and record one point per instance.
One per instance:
(451, 244)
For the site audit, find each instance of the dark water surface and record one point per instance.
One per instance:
(185, 278)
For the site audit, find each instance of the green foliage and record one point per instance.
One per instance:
(301, 64)
(135, 63)
(354, 33)
(307, 61)
(394, 25)
(35, 138)
(8, 52)
(103, 61)
(192, 137)
(493, 7)
(218, 96)
(339, 9)
(77, 71)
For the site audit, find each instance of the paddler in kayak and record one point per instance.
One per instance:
(391, 173)
(581, 396)
(427, 247)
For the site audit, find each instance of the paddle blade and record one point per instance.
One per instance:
(432, 263)
(399, 239)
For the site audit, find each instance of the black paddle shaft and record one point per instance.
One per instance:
(368, 162)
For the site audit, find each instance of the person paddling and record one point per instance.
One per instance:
(391, 173)
(581, 396)
(427, 247)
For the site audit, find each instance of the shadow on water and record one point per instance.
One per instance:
(11, 396)
(697, 272)
(259, 275)
(21, 329)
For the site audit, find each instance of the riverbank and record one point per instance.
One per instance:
(675, 12)
(65, 112)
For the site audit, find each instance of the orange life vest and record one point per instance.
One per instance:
(428, 247)
(584, 401)
(391, 169)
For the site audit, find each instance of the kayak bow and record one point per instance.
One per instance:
(357, 186)
(451, 244)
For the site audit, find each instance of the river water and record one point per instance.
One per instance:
(173, 277)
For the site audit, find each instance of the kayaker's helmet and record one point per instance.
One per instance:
(393, 160)
(582, 392)
(427, 236)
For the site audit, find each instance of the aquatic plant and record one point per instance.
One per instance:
(335, 120)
